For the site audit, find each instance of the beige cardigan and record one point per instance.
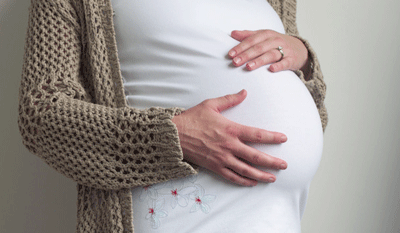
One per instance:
(73, 113)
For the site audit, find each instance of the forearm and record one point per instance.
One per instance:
(96, 145)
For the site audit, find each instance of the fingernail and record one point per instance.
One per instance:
(271, 180)
(283, 138)
(250, 64)
(232, 53)
(236, 60)
(283, 166)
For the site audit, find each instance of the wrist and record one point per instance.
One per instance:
(176, 120)
(306, 69)
(306, 65)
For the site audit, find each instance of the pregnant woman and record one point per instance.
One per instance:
(174, 53)
(87, 109)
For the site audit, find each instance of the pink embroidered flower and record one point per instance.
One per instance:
(156, 212)
(174, 192)
(198, 200)
(151, 211)
(201, 201)
(181, 197)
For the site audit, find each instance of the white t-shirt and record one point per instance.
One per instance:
(174, 54)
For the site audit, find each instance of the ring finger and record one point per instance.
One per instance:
(269, 57)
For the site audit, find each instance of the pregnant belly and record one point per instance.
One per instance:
(281, 102)
(275, 101)
(173, 53)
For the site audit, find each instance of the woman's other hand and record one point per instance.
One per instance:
(259, 48)
(212, 141)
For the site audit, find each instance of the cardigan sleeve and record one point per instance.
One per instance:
(314, 80)
(95, 145)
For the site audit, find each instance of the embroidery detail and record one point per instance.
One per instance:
(156, 212)
(180, 192)
(201, 201)
(182, 196)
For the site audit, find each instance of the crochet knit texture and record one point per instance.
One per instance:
(73, 113)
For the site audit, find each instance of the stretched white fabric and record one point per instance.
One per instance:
(174, 54)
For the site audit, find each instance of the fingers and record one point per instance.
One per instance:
(249, 172)
(255, 51)
(237, 179)
(255, 38)
(259, 48)
(265, 59)
(256, 135)
(241, 35)
(216, 143)
(222, 103)
(266, 51)
(256, 157)
(242, 173)
(284, 64)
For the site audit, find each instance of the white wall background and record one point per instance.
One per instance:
(357, 187)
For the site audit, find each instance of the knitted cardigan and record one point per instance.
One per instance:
(73, 113)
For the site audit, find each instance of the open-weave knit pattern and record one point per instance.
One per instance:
(73, 113)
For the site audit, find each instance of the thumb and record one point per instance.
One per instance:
(241, 35)
(228, 101)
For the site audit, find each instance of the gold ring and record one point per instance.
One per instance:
(281, 51)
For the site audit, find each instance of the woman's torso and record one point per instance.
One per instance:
(174, 54)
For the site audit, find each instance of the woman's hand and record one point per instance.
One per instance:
(259, 48)
(212, 141)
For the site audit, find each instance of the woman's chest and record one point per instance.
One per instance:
(198, 21)
(174, 53)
